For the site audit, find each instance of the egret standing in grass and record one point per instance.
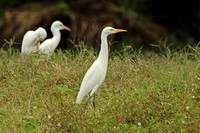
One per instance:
(97, 72)
(31, 39)
(49, 45)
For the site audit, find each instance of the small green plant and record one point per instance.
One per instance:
(8, 45)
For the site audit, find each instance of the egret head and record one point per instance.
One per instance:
(111, 30)
(59, 25)
(42, 33)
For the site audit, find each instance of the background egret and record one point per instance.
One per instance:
(31, 39)
(97, 72)
(49, 45)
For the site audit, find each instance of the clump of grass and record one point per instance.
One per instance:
(141, 92)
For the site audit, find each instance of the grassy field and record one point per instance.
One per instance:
(142, 92)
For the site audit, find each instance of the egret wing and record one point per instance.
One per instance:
(45, 48)
(93, 78)
(28, 42)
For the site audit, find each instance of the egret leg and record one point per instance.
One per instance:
(94, 101)
(86, 102)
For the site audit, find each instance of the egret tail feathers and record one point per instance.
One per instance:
(79, 98)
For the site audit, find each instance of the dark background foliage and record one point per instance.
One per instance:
(147, 21)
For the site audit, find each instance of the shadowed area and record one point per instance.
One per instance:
(86, 21)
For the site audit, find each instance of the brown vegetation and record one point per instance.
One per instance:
(86, 21)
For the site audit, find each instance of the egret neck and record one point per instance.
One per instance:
(55, 39)
(103, 55)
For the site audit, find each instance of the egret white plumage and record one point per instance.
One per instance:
(97, 72)
(31, 39)
(49, 45)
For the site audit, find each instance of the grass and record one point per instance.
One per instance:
(142, 92)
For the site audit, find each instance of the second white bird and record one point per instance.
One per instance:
(49, 45)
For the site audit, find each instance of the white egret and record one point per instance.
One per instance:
(48, 46)
(97, 72)
(31, 39)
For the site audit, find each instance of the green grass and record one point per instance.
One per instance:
(159, 91)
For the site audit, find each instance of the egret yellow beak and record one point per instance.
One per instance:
(119, 30)
(38, 42)
(66, 28)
